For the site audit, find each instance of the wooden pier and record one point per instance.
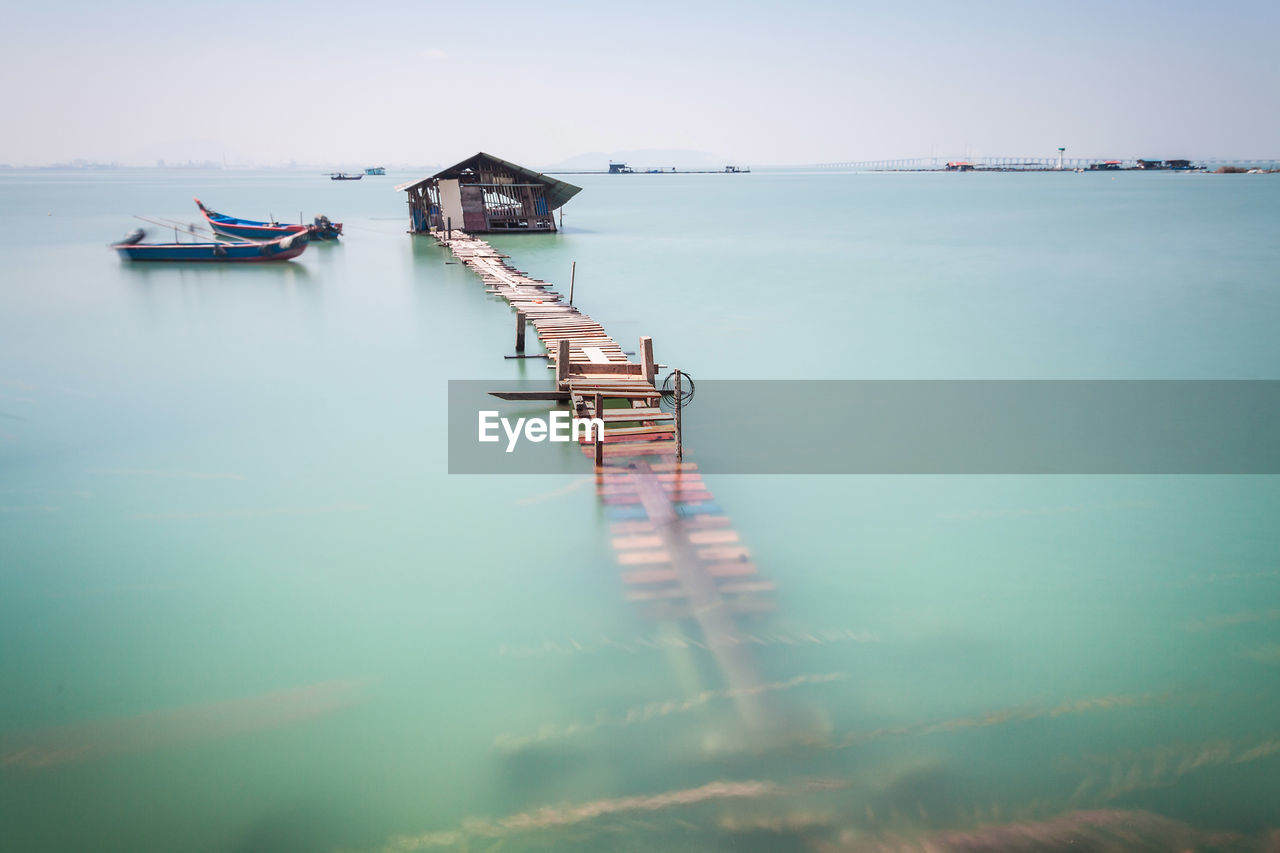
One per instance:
(678, 555)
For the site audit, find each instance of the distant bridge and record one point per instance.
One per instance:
(928, 164)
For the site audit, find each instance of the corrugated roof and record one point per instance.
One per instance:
(406, 187)
(558, 191)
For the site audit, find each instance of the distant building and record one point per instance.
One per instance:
(486, 194)
(959, 166)
(1151, 164)
(619, 168)
(1105, 166)
(1180, 165)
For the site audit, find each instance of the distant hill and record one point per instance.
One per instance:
(644, 158)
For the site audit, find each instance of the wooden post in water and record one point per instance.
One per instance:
(599, 448)
(573, 275)
(562, 362)
(520, 323)
(646, 358)
(449, 228)
(679, 440)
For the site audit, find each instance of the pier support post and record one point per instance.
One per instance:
(599, 448)
(646, 358)
(573, 276)
(679, 438)
(520, 323)
(449, 228)
(562, 362)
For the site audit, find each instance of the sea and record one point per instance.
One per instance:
(245, 607)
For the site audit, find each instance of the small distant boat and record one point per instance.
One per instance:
(376, 170)
(282, 249)
(252, 229)
(343, 176)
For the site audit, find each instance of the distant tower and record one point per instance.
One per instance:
(1061, 151)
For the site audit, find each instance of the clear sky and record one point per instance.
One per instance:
(785, 82)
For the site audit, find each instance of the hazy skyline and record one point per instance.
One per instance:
(801, 82)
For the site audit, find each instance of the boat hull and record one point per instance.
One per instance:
(255, 232)
(247, 229)
(277, 250)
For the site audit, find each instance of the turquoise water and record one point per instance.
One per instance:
(243, 607)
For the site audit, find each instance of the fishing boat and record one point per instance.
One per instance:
(132, 248)
(321, 228)
(249, 229)
(376, 170)
(343, 176)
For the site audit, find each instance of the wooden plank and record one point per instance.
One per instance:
(730, 569)
(655, 594)
(550, 396)
(634, 437)
(622, 389)
(707, 521)
(656, 429)
(625, 485)
(723, 552)
(686, 496)
(641, 558)
(712, 537)
(639, 541)
(673, 466)
(620, 366)
(676, 592)
(740, 587)
(623, 528)
(651, 448)
(642, 413)
(639, 576)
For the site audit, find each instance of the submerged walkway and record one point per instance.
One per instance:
(678, 553)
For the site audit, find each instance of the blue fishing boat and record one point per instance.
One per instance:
(249, 229)
(281, 249)
(321, 228)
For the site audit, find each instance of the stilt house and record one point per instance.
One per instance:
(486, 194)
